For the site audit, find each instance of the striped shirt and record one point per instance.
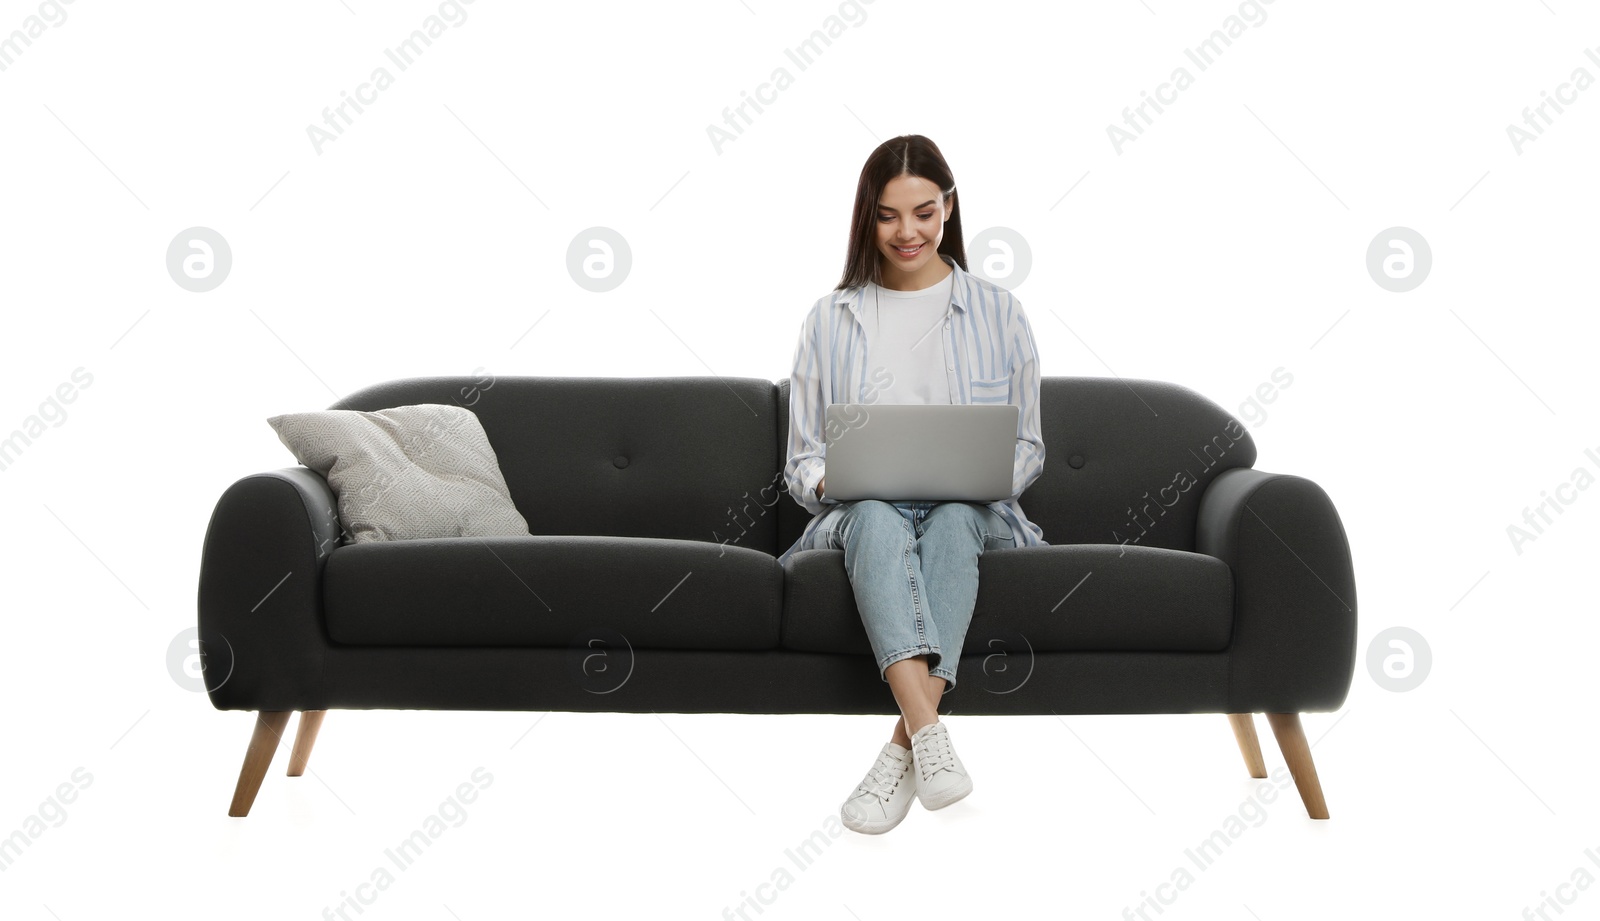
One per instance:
(990, 357)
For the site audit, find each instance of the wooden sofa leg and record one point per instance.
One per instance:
(263, 745)
(1244, 730)
(310, 722)
(1292, 741)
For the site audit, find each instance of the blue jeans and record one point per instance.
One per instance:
(913, 567)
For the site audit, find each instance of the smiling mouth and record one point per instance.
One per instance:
(911, 251)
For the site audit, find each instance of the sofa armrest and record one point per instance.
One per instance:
(1293, 647)
(262, 633)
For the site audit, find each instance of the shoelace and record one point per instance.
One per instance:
(934, 753)
(882, 778)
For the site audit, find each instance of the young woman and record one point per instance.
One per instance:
(908, 324)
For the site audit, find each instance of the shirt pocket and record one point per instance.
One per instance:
(990, 390)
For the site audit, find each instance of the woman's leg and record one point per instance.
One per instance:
(934, 687)
(885, 570)
(953, 536)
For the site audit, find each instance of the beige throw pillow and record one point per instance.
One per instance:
(407, 472)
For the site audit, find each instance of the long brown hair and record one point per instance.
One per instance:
(906, 155)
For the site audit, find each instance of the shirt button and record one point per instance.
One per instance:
(947, 324)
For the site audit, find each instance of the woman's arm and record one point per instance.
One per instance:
(803, 471)
(1028, 463)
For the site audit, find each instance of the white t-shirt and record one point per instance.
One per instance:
(905, 336)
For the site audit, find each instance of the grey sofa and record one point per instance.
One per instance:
(1178, 578)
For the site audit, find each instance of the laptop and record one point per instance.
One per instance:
(916, 451)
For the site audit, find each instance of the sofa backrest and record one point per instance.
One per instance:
(1125, 460)
(701, 458)
(674, 457)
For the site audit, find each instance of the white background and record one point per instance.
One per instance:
(1227, 241)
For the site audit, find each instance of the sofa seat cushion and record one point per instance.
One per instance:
(553, 591)
(1057, 598)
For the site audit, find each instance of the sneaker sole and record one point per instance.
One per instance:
(869, 828)
(946, 797)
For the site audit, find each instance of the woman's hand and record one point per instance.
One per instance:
(819, 486)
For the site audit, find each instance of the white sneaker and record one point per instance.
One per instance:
(941, 778)
(884, 796)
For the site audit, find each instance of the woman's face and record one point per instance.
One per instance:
(911, 216)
